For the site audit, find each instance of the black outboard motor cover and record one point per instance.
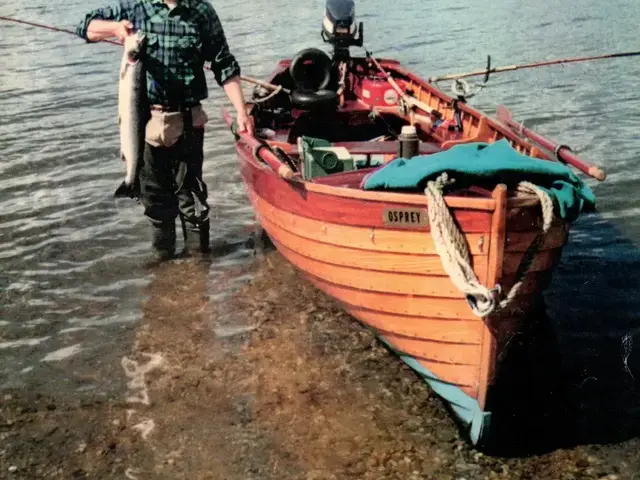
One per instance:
(341, 14)
(338, 25)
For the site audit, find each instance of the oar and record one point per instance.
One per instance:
(562, 152)
(510, 68)
(268, 156)
(269, 86)
(409, 100)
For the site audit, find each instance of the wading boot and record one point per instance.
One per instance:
(196, 237)
(163, 240)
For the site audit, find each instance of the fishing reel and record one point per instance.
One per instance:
(463, 89)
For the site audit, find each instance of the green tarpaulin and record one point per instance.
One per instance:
(496, 162)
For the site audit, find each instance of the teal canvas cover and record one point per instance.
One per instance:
(496, 162)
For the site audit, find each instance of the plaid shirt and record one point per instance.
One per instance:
(179, 41)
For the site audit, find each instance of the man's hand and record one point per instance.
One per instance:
(123, 29)
(244, 123)
(233, 89)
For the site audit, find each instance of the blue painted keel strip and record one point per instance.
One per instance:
(465, 407)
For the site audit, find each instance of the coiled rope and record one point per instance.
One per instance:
(454, 253)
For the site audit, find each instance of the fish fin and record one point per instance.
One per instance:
(125, 191)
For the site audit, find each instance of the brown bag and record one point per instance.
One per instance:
(165, 128)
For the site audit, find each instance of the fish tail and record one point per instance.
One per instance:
(125, 191)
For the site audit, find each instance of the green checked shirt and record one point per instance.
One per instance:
(179, 42)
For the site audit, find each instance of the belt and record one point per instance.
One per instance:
(173, 108)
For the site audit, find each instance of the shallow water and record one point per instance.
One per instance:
(72, 260)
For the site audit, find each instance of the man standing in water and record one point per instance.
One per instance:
(181, 36)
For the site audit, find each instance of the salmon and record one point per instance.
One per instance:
(133, 111)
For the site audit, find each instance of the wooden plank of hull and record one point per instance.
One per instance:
(463, 376)
(295, 198)
(443, 330)
(428, 265)
(390, 282)
(364, 260)
(411, 305)
(409, 241)
(375, 239)
(428, 350)
(375, 281)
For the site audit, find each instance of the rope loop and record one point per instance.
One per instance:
(454, 254)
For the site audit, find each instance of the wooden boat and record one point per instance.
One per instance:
(374, 251)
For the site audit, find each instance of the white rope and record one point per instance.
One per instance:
(454, 253)
(547, 219)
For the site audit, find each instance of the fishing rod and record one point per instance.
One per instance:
(487, 71)
(48, 27)
(562, 152)
(112, 42)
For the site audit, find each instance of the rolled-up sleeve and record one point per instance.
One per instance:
(114, 13)
(216, 49)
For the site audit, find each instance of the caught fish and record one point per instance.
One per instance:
(132, 111)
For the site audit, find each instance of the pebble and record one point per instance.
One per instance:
(13, 469)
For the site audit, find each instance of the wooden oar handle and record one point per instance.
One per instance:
(562, 152)
(565, 154)
(269, 86)
(260, 150)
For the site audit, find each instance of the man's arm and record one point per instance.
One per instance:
(104, 23)
(225, 67)
(233, 89)
(216, 49)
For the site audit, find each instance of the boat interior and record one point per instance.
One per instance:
(334, 119)
(337, 129)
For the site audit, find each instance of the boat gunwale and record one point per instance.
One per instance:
(454, 201)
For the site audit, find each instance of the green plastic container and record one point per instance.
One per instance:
(320, 158)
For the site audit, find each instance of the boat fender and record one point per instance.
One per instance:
(310, 69)
(308, 100)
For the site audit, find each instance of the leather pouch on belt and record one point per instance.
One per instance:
(164, 128)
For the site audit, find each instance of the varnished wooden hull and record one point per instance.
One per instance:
(392, 279)
(388, 274)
